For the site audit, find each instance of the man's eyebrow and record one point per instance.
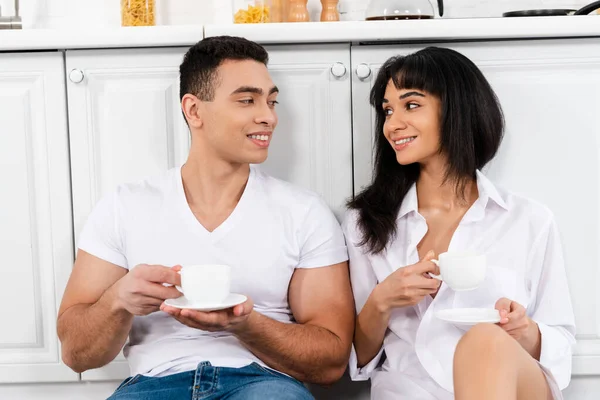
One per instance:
(248, 89)
(255, 90)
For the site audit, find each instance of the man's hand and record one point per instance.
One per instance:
(514, 320)
(141, 290)
(230, 320)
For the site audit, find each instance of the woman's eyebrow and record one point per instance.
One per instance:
(408, 94)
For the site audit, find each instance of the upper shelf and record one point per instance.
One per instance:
(308, 32)
(53, 39)
(415, 30)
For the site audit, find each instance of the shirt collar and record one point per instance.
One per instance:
(410, 202)
(487, 191)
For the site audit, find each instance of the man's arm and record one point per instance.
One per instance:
(92, 331)
(316, 348)
(97, 308)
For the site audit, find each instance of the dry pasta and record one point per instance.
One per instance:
(137, 12)
(253, 15)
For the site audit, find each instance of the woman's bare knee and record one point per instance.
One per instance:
(488, 354)
(483, 341)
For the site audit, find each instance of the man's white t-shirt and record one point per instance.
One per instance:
(275, 228)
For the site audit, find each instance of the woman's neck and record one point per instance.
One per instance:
(434, 192)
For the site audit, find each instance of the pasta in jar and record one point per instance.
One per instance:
(137, 12)
(252, 11)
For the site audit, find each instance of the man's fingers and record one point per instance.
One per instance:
(208, 320)
(160, 274)
(159, 291)
(243, 309)
(148, 301)
(170, 310)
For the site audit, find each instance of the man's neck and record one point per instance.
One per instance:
(213, 185)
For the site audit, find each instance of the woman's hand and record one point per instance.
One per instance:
(514, 320)
(407, 286)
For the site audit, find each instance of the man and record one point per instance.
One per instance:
(285, 248)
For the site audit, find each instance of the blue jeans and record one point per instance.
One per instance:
(252, 382)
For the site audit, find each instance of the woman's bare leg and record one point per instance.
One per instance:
(491, 365)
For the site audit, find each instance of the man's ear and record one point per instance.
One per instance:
(191, 107)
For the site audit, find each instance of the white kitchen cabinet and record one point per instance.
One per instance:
(125, 123)
(36, 240)
(550, 92)
(312, 145)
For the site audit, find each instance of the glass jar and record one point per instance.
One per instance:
(137, 13)
(253, 11)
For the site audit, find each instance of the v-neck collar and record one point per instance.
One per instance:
(237, 213)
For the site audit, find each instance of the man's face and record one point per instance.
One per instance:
(238, 124)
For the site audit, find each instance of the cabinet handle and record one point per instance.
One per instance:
(338, 70)
(76, 75)
(363, 71)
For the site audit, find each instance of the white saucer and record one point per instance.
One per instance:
(469, 316)
(231, 301)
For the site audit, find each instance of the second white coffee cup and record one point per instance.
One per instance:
(207, 283)
(461, 270)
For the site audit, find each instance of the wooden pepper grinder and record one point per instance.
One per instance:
(298, 11)
(329, 10)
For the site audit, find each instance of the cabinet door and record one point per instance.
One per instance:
(312, 145)
(36, 240)
(550, 93)
(125, 124)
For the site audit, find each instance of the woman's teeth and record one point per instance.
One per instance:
(406, 140)
(259, 137)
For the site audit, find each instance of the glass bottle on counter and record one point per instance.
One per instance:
(137, 13)
(252, 11)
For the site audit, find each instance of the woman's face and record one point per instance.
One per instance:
(412, 124)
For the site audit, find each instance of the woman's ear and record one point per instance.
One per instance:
(191, 107)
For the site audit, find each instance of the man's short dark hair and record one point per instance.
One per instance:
(198, 71)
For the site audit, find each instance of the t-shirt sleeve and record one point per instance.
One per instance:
(101, 235)
(321, 239)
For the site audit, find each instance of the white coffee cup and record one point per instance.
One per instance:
(461, 270)
(208, 283)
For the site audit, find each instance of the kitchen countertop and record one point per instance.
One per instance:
(310, 32)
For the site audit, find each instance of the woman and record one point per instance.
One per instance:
(438, 124)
